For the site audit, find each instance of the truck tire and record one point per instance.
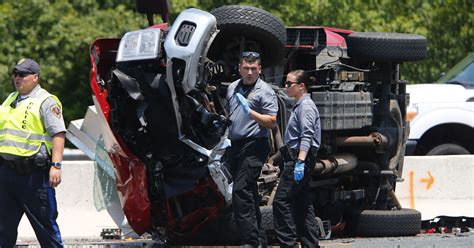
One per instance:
(379, 46)
(248, 28)
(267, 223)
(386, 223)
(448, 149)
(267, 218)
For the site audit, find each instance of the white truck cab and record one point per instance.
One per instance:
(441, 114)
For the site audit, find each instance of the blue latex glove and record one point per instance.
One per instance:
(298, 173)
(243, 103)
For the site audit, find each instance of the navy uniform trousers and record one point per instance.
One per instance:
(293, 211)
(28, 194)
(246, 158)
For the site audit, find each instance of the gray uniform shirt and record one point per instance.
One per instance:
(304, 128)
(50, 113)
(262, 99)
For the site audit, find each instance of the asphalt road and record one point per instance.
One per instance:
(424, 240)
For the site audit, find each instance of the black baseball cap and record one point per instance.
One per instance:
(28, 66)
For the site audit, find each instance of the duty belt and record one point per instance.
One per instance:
(23, 166)
(290, 154)
(246, 140)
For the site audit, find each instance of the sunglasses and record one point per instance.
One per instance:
(21, 73)
(289, 83)
(250, 55)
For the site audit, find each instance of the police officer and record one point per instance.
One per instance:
(31, 150)
(293, 212)
(252, 107)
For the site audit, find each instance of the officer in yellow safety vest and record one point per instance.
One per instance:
(31, 151)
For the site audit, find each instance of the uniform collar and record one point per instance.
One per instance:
(256, 85)
(305, 96)
(250, 89)
(32, 93)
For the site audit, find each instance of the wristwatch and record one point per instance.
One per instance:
(56, 165)
(299, 161)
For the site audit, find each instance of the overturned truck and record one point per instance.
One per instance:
(160, 97)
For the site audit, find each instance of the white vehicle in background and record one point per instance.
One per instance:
(442, 114)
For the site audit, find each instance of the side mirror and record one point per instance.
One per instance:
(150, 7)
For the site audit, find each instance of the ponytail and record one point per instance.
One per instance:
(303, 77)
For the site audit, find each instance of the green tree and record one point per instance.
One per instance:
(58, 34)
(447, 24)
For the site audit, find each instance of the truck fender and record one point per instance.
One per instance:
(421, 124)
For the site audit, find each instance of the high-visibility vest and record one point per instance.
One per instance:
(21, 128)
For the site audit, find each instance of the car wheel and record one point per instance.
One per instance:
(448, 149)
(386, 46)
(386, 223)
(247, 28)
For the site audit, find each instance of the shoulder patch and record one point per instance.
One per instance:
(56, 110)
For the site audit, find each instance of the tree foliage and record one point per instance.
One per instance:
(58, 33)
(447, 24)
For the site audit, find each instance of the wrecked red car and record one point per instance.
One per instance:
(160, 97)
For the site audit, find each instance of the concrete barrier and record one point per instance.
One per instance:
(438, 185)
(78, 216)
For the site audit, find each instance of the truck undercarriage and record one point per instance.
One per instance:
(164, 128)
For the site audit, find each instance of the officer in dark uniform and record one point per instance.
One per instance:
(252, 107)
(293, 211)
(31, 150)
